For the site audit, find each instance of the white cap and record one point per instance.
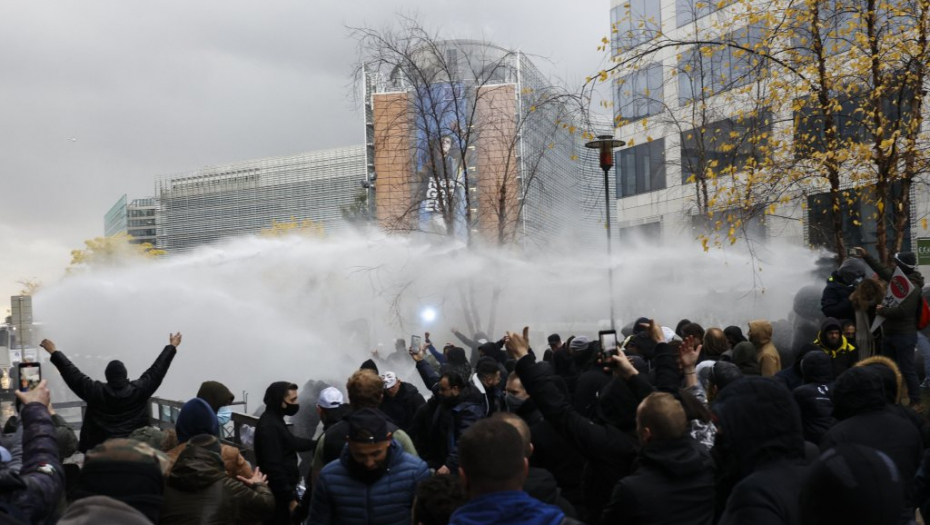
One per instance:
(390, 379)
(330, 397)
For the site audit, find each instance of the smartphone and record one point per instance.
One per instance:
(608, 340)
(30, 375)
(414, 344)
(851, 252)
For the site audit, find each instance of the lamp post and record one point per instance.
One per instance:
(606, 144)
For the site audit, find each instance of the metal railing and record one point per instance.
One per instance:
(239, 432)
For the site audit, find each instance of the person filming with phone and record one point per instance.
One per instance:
(118, 406)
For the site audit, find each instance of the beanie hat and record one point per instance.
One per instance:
(196, 417)
(852, 483)
(116, 372)
(906, 260)
(579, 343)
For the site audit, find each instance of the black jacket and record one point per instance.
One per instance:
(760, 451)
(439, 424)
(541, 485)
(867, 420)
(276, 447)
(814, 397)
(553, 453)
(609, 450)
(401, 408)
(672, 484)
(835, 299)
(115, 408)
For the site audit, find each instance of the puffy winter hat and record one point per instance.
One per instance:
(330, 397)
(116, 372)
(196, 417)
(390, 379)
(906, 260)
(852, 483)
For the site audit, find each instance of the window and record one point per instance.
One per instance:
(859, 217)
(641, 169)
(639, 94)
(724, 146)
(634, 22)
(687, 11)
(707, 71)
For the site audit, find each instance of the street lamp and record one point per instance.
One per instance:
(606, 144)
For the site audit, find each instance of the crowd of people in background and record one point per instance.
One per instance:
(683, 425)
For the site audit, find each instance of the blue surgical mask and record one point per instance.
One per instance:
(223, 415)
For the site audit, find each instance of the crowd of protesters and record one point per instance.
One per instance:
(689, 425)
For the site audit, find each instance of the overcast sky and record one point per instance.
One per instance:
(99, 97)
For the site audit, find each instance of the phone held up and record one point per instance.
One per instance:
(608, 340)
(30, 375)
(414, 344)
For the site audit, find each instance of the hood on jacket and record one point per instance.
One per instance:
(215, 394)
(616, 406)
(760, 332)
(734, 335)
(196, 417)
(196, 469)
(817, 367)
(892, 381)
(116, 374)
(678, 457)
(101, 509)
(852, 270)
(507, 507)
(759, 422)
(369, 364)
(858, 390)
(746, 357)
(275, 394)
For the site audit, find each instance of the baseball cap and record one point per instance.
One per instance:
(330, 397)
(367, 426)
(390, 379)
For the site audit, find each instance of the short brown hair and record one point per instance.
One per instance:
(663, 415)
(715, 342)
(365, 389)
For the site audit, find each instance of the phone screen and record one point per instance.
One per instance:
(415, 342)
(608, 339)
(30, 375)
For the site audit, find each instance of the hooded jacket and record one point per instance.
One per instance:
(746, 357)
(507, 508)
(814, 396)
(760, 333)
(117, 407)
(762, 447)
(197, 417)
(341, 498)
(844, 355)
(900, 319)
(198, 492)
(401, 408)
(866, 419)
(672, 484)
(215, 394)
(276, 447)
(835, 299)
(34, 491)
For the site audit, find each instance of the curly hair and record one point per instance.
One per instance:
(365, 389)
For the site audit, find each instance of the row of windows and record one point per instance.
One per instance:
(638, 21)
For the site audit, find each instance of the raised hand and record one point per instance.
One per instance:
(621, 366)
(174, 339)
(48, 346)
(518, 345)
(38, 395)
(689, 352)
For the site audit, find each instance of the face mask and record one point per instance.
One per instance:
(223, 415)
(291, 409)
(513, 402)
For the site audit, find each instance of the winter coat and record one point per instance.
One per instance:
(330, 445)
(761, 447)
(553, 453)
(672, 484)
(276, 447)
(814, 396)
(609, 450)
(507, 508)
(746, 357)
(866, 419)
(116, 408)
(842, 358)
(96, 510)
(32, 494)
(233, 462)
(540, 484)
(198, 492)
(835, 299)
(340, 498)
(438, 426)
(900, 319)
(401, 408)
(760, 333)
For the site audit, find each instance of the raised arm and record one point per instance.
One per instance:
(151, 379)
(82, 386)
(883, 271)
(42, 476)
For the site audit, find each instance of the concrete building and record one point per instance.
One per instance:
(136, 218)
(216, 202)
(656, 193)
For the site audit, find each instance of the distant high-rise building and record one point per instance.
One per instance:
(136, 218)
(212, 203)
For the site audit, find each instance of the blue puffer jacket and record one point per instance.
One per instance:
(338, 498)
(507, 508)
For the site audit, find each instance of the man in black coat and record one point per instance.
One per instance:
(276, 449)
(761, 450)
(119, 406)
(673, 480)
(814, 396)
(834, 302)
(866, 419)
(401, 400)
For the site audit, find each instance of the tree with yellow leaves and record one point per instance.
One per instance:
(112, 250)
(304, 228)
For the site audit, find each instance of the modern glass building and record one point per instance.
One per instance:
(136, 218)
(212, 203)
